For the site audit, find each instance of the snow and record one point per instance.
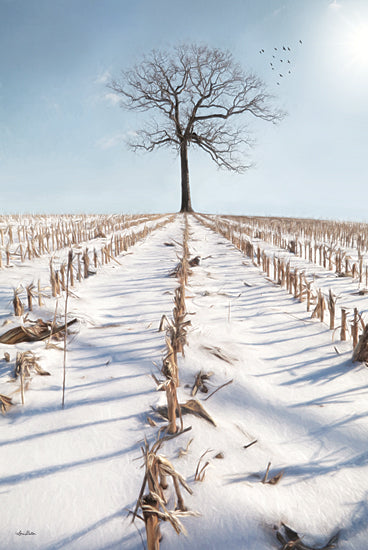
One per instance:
(70, 475)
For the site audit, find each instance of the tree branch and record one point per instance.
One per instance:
(196, 92)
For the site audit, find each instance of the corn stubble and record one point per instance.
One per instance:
(26, 363)
(308, 242)
(45, 235)
(290, 539)
(158, 469)
(176, 331)
(153, 503)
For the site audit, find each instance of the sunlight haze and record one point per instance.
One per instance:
(62, 144)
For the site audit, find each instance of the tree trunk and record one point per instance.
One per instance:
(186, 205)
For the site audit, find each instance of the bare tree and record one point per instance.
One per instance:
(196, 93)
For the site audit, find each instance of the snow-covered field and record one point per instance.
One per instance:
(70, 476)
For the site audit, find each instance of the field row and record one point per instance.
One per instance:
(341, 301)
(200, 395)
(31, 238)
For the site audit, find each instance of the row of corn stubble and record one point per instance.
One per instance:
(77, 267)
(279, 271)
(153, 496)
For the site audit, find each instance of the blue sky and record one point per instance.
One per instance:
(62, 140)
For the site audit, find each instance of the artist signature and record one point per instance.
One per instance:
(24, 532)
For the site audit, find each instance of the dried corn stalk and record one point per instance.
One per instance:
(355, 328)
(199, 383)
(291, 540)
(331, 307)
(35, 332)
(169, 366)
(27, 362)
(153, 504)
(5, 403)
(200, 471)
(30, 296)
(17, 303)
(343, 324)
(361, 349)
(173, 407)
(192, 406)
(320, 307)
(274, 479)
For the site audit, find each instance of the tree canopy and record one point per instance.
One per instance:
(197, 95)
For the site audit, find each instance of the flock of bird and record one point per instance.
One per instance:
(283, 70)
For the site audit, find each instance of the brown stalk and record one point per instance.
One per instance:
(275, 479)
(150, 506)
(39, 294)
(355, 328)
(85, 259)
(219, 388)
(79, 274)
(264, 480)
(200, 473)
(250, 444)
(199, 383)
(21, 375)
(172, 405)
(17, 303)
(164, 319)
(331, 307)
(343, 324)
(5, 403)
(153, 504)
(52, 280)
(169, 367)
(69, 271)
(30, 296)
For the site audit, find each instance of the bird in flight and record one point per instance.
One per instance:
(275, 64)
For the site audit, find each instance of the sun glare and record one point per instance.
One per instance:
(357, 45)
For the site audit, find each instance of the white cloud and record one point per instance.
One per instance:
(103, 78)
(278, 10)
(112, 98)
(116, 140)
(109, 142)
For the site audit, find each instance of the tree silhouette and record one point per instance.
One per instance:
(196, 94)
